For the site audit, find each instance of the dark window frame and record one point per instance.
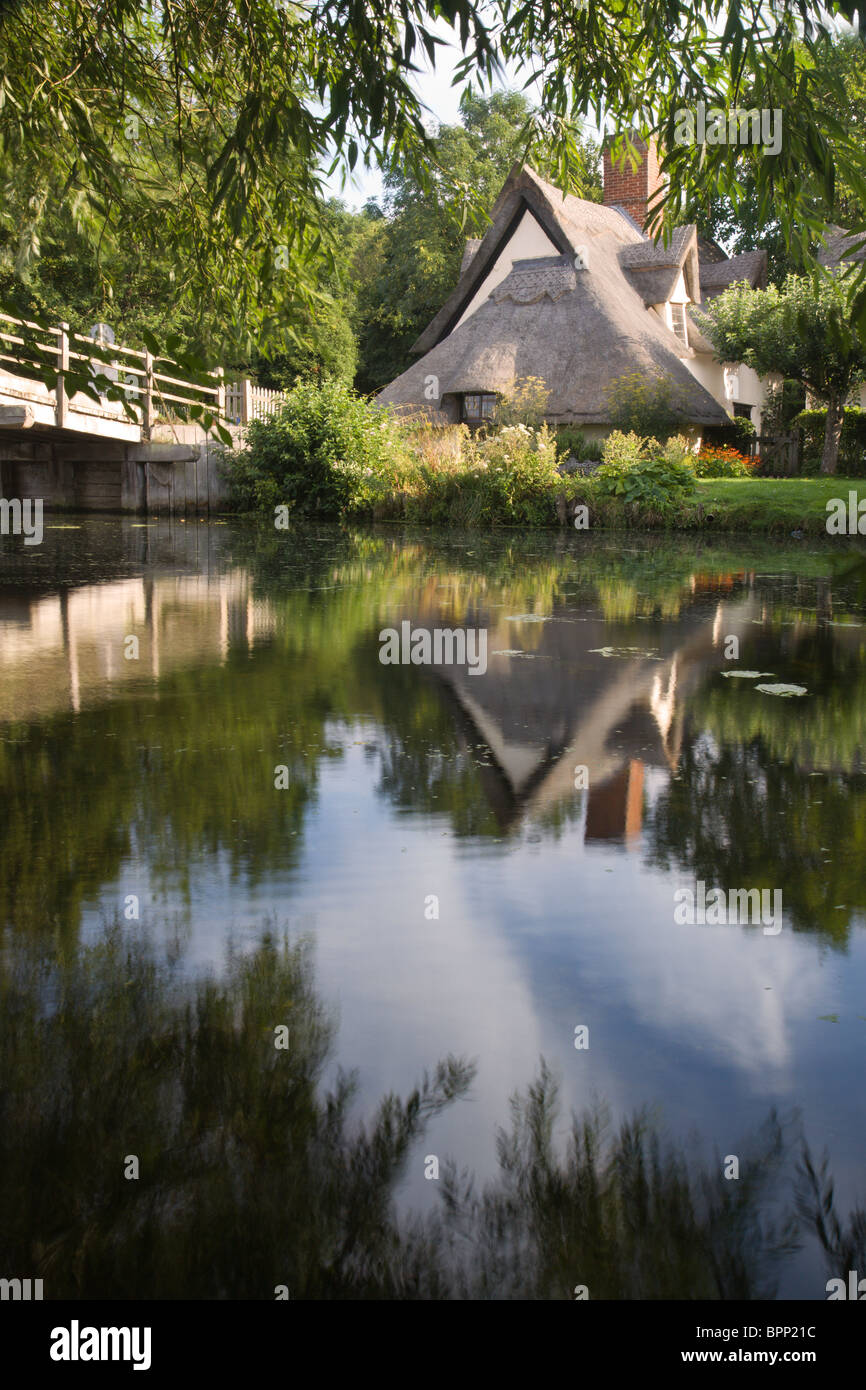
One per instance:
(486, 407)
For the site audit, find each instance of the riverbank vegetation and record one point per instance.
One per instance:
(331, 454)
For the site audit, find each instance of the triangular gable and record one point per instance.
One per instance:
(654, 267)
(522, 192)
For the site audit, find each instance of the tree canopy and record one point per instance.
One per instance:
(802, 332)
(739, 225)
(201, 130)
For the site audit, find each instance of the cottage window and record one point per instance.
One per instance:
(479, 407)
(678, 322)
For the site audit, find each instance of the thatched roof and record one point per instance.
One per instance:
(575, 329)
(716, 276)
(840, 245)
(588, 710)
(472, 245)
(709, 250)
(698, 338)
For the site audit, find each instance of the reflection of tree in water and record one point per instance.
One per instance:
(620, 1213)
(251, 1177)
(431, 758)
(843, 1243)
(736, 817)
(188, 777)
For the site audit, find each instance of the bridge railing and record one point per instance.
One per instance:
(151, 386)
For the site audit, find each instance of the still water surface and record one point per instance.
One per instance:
(458, 884)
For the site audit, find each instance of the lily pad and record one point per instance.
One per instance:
(626, 652)
(747, 675)
(784, 690)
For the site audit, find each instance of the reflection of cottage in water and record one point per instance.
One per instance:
(575, 692)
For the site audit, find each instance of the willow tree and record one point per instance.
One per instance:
(206, 125)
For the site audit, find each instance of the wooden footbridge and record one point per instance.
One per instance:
(90, 423)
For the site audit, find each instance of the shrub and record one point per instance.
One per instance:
(524, 402)
(714, 461)
(593, 450)
(571, 442)
(652, 482)
(852, 445)
(621, 450)
(643, 405)
(439, 446)
(644, 472)
(509, 477)
(325, 452)
(736, 434)
(678, 449)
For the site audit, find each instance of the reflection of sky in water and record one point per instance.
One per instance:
(708, 1025)
(537, 932)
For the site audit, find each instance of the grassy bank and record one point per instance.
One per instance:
(772, 506)
(765, 506)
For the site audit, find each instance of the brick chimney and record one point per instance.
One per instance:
(632, 188)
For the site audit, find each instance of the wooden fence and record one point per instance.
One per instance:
(245, 401)
(780, 454)
(153, 387)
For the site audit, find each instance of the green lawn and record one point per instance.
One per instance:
(771, 504)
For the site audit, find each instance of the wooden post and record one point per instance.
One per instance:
(61, 401)
(221, 393)
(147, 398)
(247, 401)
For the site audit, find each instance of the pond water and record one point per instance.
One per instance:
(482, 864)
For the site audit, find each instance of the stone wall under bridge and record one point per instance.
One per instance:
(176, 473)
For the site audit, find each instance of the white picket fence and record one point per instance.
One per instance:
(245, 401)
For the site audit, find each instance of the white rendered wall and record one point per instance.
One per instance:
(752, 389)
(528, 242)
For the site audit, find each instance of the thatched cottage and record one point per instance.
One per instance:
(577, 294)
